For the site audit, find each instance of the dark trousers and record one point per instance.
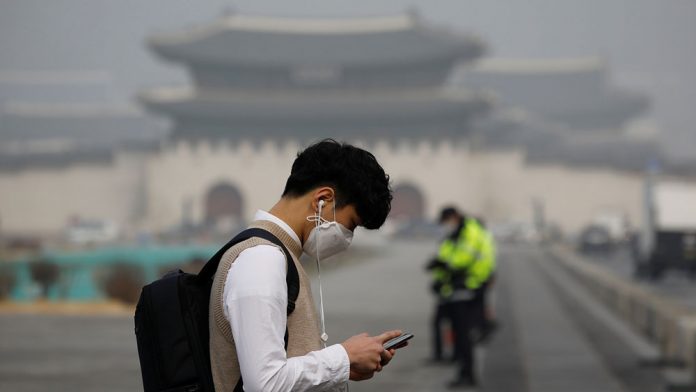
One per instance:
(465, 316)
(439, 317)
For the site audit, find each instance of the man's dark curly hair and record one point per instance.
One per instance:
(355, 175)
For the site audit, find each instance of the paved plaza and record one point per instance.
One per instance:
(546, 343)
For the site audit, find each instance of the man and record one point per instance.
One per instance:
(332, 189)
(464, 266)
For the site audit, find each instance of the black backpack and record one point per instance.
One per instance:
(171, 323)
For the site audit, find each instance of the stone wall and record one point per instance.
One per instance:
(155, 191)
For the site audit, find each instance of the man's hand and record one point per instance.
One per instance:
(367, 354)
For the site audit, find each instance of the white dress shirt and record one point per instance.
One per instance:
(256, 300)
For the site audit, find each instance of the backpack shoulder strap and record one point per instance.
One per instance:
(292, 277)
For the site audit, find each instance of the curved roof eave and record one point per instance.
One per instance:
(187, 103)
(522, 66)
(276, 25)
(237, 39)
(185, 94)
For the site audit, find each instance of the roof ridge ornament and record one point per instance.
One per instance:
(229, 10)
(413, 12)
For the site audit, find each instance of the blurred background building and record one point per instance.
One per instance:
(508, 139)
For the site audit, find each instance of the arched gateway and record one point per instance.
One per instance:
(408, 203)
(223, 202)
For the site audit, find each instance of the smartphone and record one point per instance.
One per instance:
(397, 341)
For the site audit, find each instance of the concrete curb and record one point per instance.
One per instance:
(71, 308)
(669, 325)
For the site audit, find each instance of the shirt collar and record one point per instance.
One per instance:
(267, 216)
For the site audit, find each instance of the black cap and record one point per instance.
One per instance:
(448, 212)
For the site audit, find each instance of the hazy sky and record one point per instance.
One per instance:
(649, 43)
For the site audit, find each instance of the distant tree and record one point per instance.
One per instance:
(45, 273)
(7, 282)
(123, 282)
(193, 266)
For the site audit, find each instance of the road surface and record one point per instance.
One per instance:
(549, 340)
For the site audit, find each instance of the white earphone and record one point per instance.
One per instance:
(321, 203)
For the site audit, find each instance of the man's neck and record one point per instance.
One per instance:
(290, 211)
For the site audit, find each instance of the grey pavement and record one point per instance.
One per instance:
(556, 354)
(541, 346)
(68, 353)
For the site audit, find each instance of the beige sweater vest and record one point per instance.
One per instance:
(303, 330)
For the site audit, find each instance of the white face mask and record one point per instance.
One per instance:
(326, 238)
(450, 227)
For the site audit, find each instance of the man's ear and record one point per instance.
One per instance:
(325, 194)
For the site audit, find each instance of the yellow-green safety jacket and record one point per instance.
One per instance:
(468, 259)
